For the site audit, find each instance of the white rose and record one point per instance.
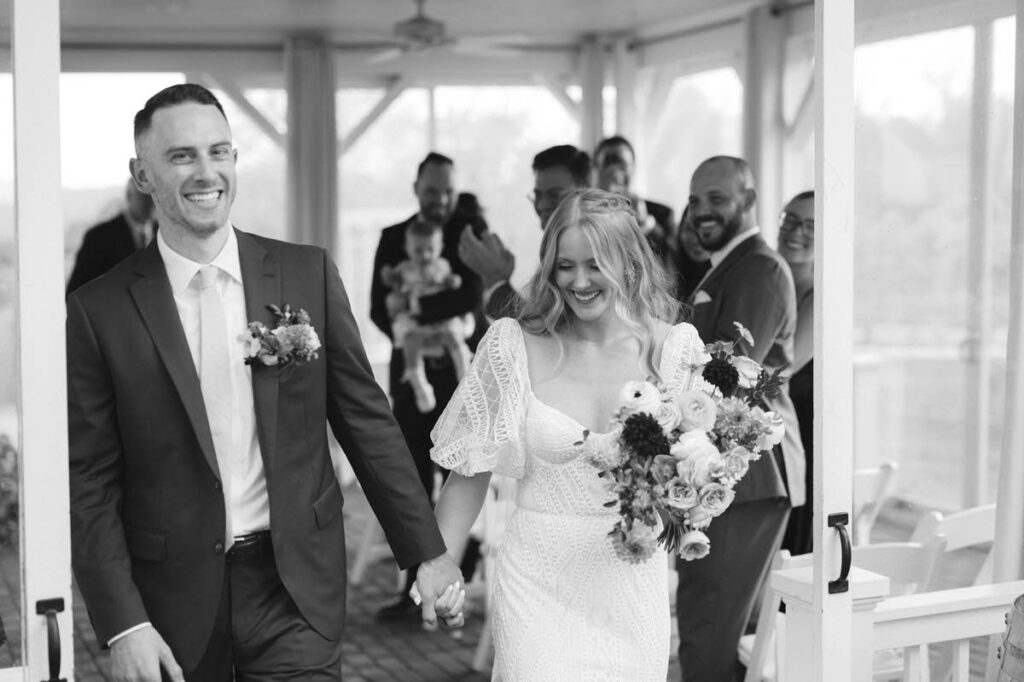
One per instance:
(694, 545)
(697, 410)
(670, 417)
(736, 462)
(680, 495)
(776, 428)
(749, 370)
(715, 498)
(639, 396)
(698, 458)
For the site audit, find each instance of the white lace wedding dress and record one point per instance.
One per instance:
(565, 608)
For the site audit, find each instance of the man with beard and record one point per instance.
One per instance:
(748, 283)
(557, 171)
(435, 192)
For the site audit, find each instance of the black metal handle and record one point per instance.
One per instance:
(842, 583)
(50, 608)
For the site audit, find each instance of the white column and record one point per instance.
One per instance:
(764, 126)
(45, 533)
(312, 143)
(592, 66)
(1010, 511)
(979, 279)
(624, 72)
(830, 652)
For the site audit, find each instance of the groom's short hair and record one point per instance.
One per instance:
(171, 96)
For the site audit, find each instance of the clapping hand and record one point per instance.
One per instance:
(439, 592)
(487, 256)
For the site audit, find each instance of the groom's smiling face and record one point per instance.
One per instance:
(187, 163)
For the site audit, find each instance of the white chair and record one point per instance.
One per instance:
(967, 528)
(871, 488)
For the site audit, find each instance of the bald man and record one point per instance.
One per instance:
(748, 283)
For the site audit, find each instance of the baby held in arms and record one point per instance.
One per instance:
(424, 273)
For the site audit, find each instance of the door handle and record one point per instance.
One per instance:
(842, 583)
(50, 608)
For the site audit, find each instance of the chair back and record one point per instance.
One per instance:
(962, 529)
(871, 488)
(909, 566)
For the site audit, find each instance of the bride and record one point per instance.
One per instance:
(597, 314)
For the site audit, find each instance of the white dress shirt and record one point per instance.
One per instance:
(250, 506)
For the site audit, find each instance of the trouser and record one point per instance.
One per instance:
(259, 635)
(716, 594)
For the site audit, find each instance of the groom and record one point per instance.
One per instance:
(207, 529)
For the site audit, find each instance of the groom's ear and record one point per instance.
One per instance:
(140, 175)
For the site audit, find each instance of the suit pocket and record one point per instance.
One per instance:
(146, 545)
(327, 507)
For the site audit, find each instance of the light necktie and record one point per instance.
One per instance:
(215, 381)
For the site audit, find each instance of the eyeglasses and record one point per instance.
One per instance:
(552, 196)
(790, 221)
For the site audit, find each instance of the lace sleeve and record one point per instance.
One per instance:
(682, 352)
(480, 429)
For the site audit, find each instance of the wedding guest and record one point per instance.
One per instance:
(691, 260)
(748, 283)
(596, 314)
(796, 246)
(435, 191)
(206, 520)
(108, 243)
(615, 161)
(557, 171)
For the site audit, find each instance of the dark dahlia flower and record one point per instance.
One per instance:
(643, 435)
(721, 374)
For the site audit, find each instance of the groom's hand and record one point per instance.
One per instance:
(139, 655)
(432, 579)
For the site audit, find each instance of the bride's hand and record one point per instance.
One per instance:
(449, 606)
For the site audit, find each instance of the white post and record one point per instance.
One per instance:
(1010, 510)
(45, 531)
(797, 589)
(829, 644)
(592, 63)
(312, 143)
(979, 279)
(625, 64)
(764, 127)
(431, 119)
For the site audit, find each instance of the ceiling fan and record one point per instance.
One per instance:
(420, 33)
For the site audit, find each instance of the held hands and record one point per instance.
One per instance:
(487, 256)
(439, 592)
(139, 656)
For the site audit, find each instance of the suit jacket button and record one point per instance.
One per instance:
(217, 485)
(218, 547)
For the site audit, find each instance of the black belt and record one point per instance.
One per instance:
(252, 546)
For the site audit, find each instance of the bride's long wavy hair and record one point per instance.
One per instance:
(644, 291)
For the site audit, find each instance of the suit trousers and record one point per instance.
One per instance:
(259, 635)
(716, 594)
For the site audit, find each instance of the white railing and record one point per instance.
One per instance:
(908, 622)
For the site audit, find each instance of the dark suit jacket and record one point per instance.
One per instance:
(664, 231)
(103, 247)
(753, 286)
(505, 301)
(147, 510)
(442, 306)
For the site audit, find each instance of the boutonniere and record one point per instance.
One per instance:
(290, 343)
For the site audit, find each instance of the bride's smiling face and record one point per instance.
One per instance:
(586, 290)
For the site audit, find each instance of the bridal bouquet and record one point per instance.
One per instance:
(679, 457)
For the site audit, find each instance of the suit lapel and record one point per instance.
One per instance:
(710, 282)
(261, 280)
(155, 301)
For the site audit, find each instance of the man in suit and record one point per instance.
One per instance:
(557, 171)
(615, 161)
(207, 530)
(107, 244)
(748, 283)
(435, 192)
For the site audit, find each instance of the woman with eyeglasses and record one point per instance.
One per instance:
(796, 246)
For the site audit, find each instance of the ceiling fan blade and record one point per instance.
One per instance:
(386, 55)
